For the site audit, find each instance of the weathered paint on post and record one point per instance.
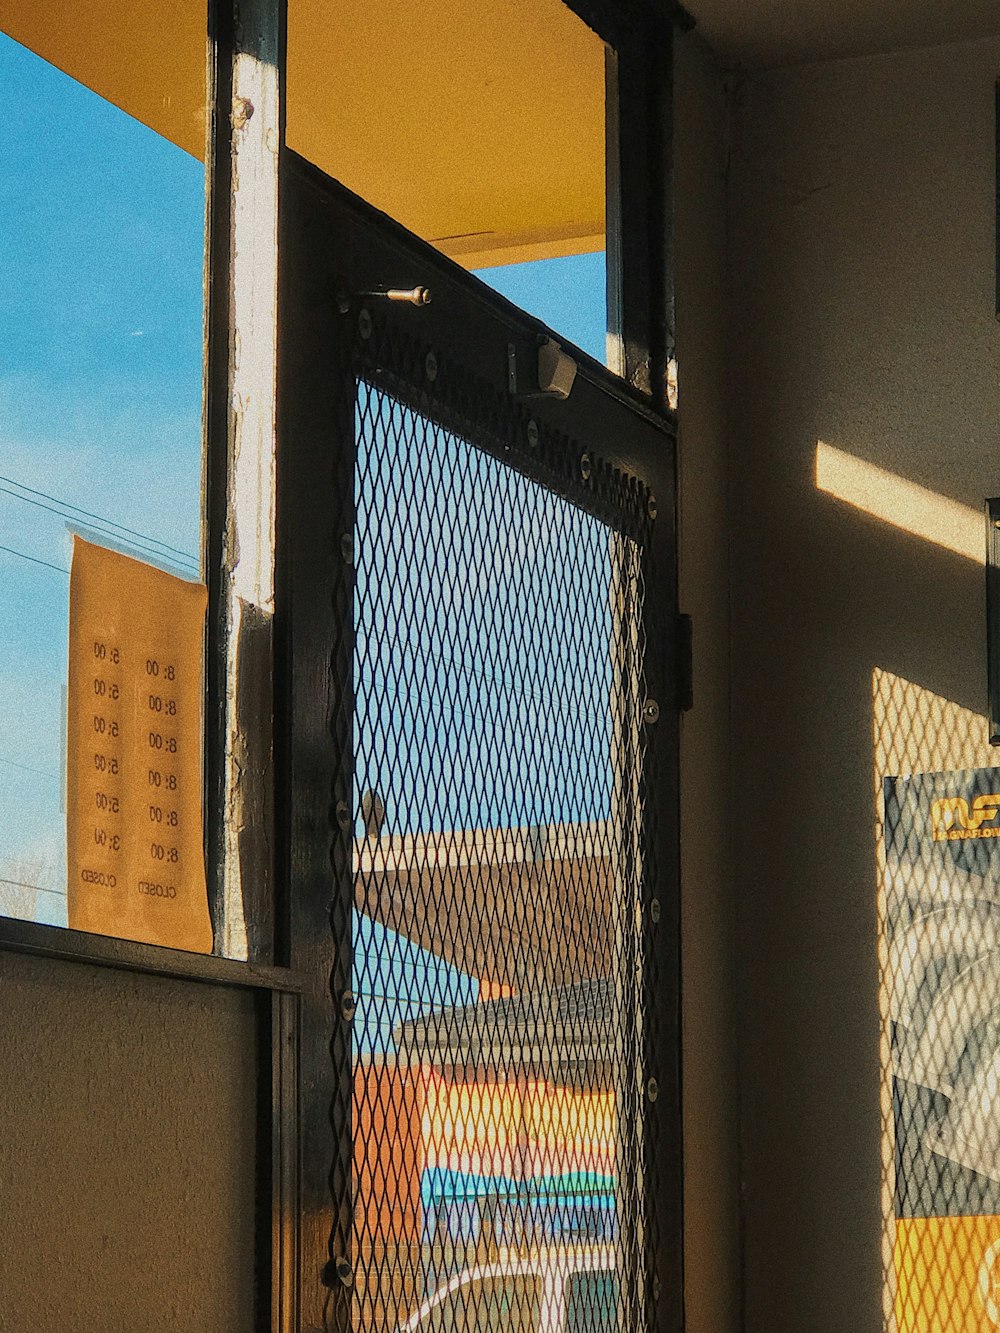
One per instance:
(243, 319)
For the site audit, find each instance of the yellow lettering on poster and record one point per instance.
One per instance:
(135, 851)
(947, 1274)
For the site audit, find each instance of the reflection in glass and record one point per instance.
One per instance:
(101, 255)
(485, 1304)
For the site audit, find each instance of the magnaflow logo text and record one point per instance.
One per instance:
(951, 818)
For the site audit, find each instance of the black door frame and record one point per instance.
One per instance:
(334, 247)
(285, 870)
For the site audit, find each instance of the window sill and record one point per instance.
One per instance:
(78, 946)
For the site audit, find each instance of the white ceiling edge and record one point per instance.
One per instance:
(762, 34)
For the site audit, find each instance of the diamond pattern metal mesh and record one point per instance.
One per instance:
(939, 859)
(490, 1106)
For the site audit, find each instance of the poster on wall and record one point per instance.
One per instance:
(134, 843)
(941, 988)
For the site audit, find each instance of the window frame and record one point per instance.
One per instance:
(222, 161)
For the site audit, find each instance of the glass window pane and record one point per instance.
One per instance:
(101, 273)
(592, 1303)
(568, 294)
(488, 1305)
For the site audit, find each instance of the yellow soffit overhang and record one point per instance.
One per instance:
(149, 59)
(478, 124)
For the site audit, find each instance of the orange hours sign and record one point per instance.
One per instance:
(135, 853)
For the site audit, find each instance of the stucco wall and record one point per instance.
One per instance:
(709, 1068)
(862, 212)
(126, 1164)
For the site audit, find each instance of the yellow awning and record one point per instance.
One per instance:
(478, 124)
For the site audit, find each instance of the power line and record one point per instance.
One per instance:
(42, 773)
(100, 519)
(184, 556)
(34, 560)
(38, 888)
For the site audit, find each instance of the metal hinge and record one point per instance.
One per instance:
(685, 663)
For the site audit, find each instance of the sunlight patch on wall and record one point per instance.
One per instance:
(893, 499)
(918, 731)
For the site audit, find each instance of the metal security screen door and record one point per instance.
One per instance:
(480, 588)
(495, 1108)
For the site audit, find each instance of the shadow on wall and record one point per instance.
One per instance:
(863, 251)
(937, 798)
(937, 802)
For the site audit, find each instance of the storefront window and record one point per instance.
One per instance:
(101, 274)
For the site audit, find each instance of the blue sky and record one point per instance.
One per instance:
(101, 249)
(568, 294)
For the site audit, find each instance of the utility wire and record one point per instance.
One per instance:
(34, 560)
(100, 519)
(38, 888)
(42, 773)
(188, 560)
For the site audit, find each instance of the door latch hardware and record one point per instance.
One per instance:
(541, 370)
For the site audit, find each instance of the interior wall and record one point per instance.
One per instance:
(862, 230)
(709, 1070)
(126, 1170)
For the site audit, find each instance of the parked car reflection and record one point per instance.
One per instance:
(549, 1290)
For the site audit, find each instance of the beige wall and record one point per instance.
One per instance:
(862, 250)
(710, 1135)
(126, 1191)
